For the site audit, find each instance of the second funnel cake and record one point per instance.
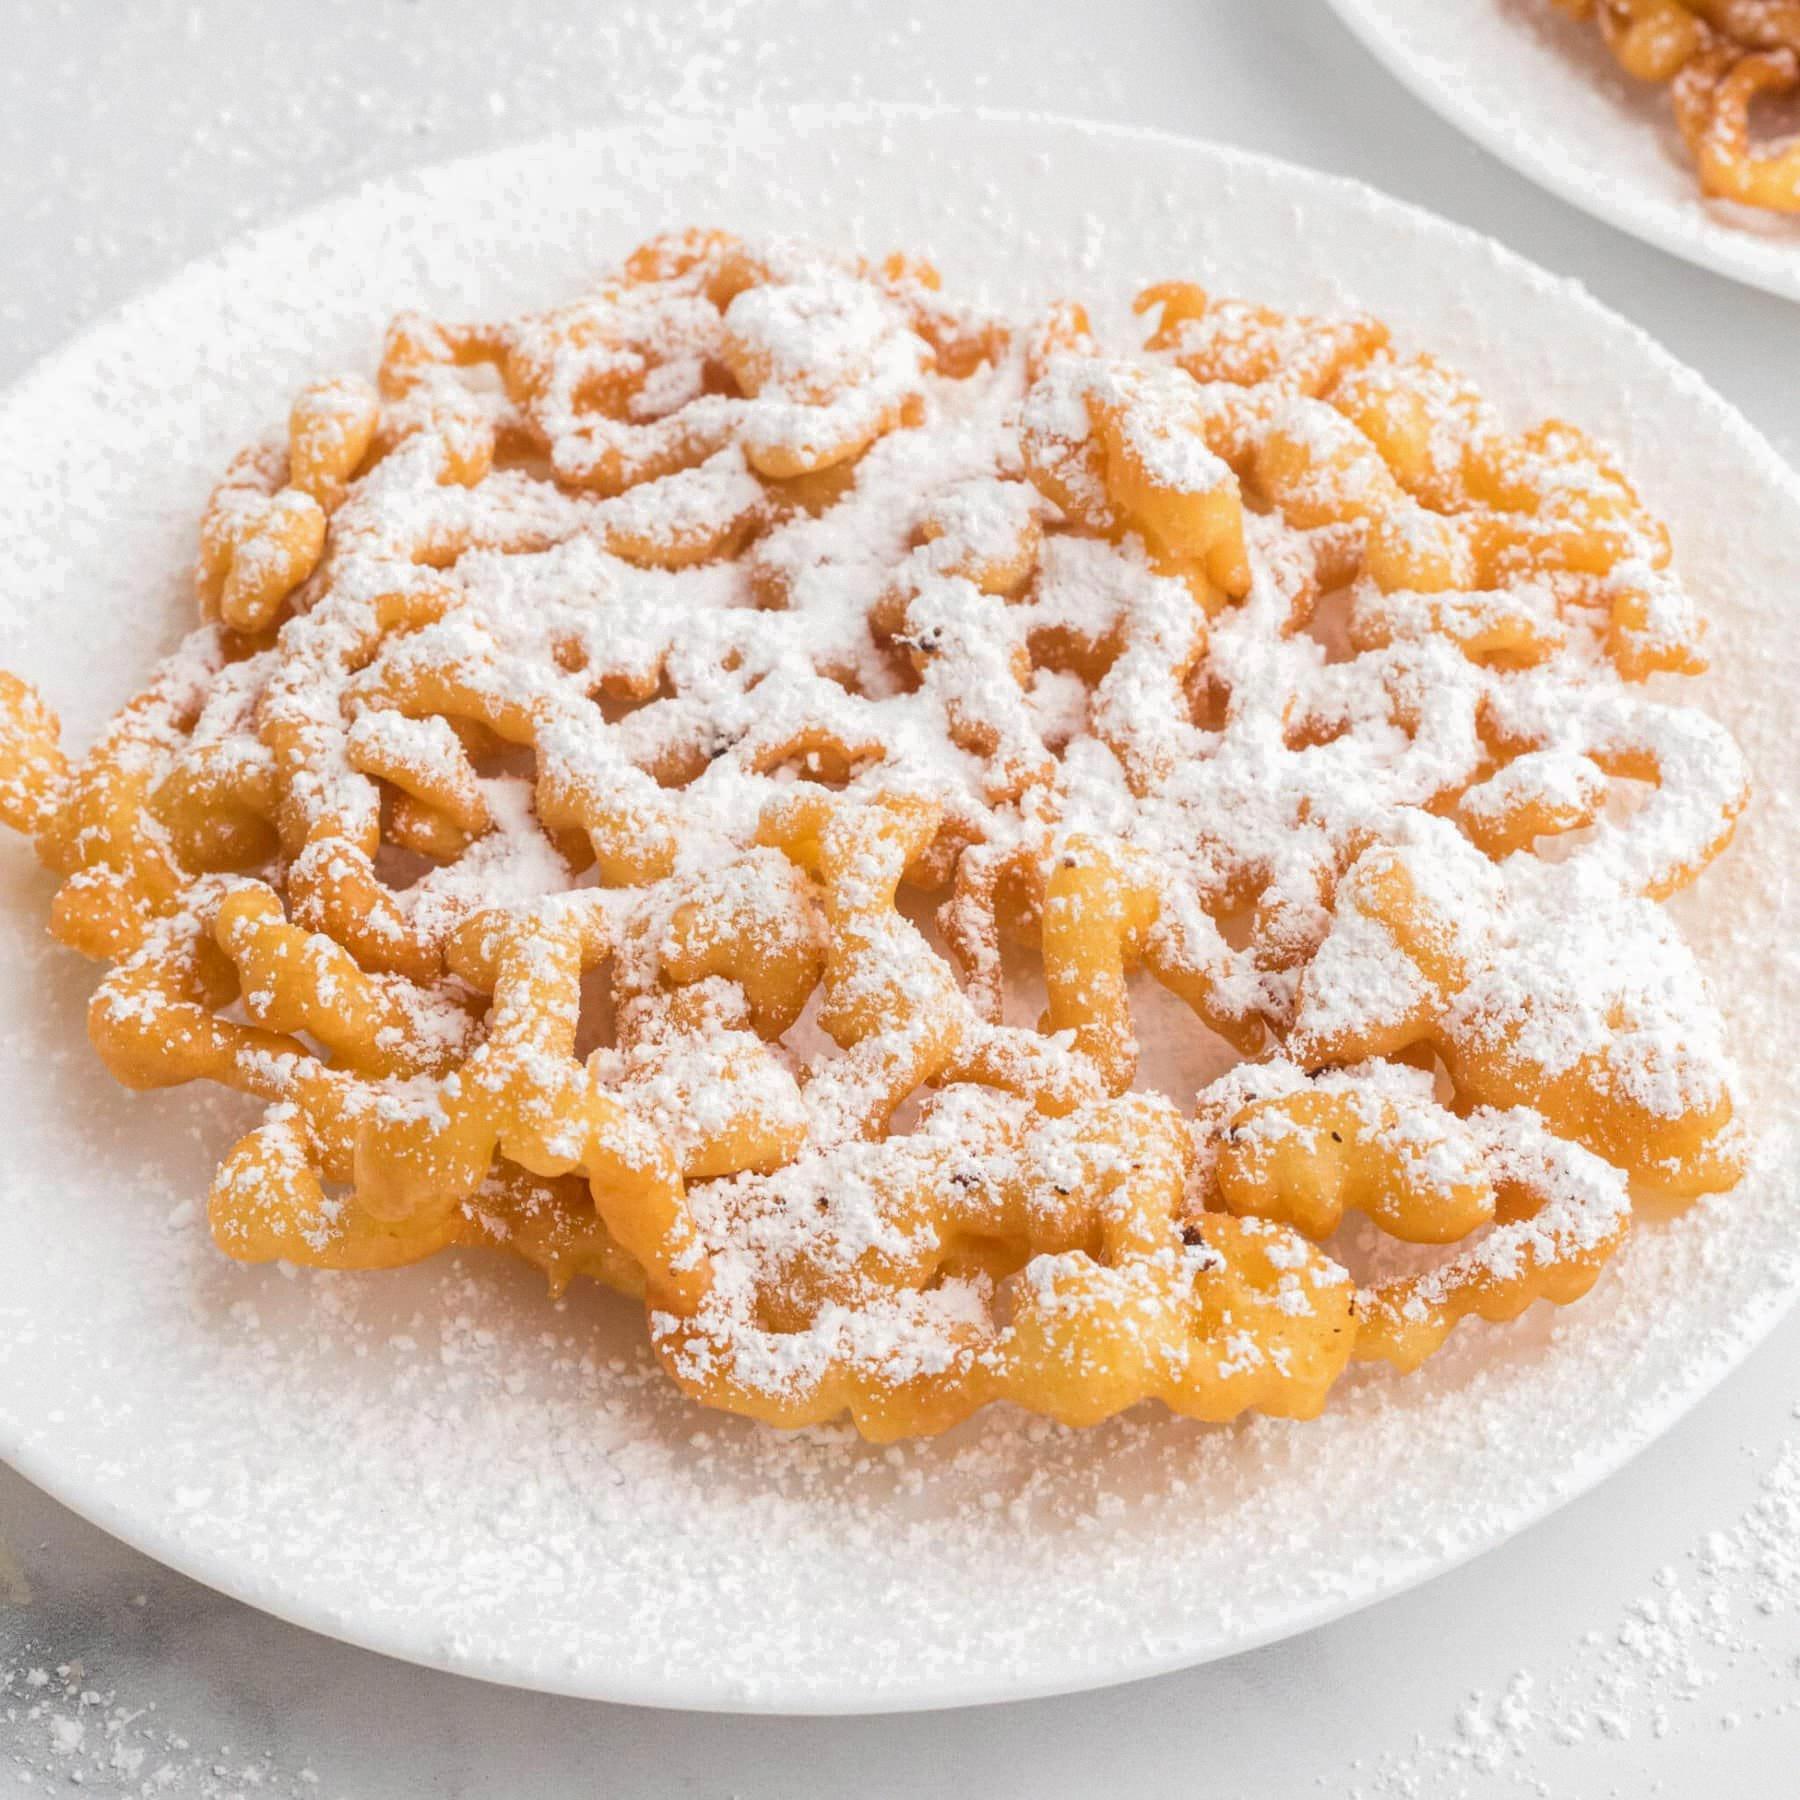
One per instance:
(542, 819)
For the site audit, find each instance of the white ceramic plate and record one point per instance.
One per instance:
(436, 1464)
(1541, 92)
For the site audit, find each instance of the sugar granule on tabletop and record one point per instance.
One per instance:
(58, 1729)
(1654, 1673)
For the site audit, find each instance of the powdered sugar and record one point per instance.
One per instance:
(1648, 1674)
(63, 1730)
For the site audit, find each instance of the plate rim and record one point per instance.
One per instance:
(1724, 1351)
(1719, 251)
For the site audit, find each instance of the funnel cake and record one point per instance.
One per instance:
(1718, 58)
(637, 761)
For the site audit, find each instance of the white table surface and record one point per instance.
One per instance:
(135, 136)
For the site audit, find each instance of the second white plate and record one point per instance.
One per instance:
(436, 1463)
(1540, 91)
